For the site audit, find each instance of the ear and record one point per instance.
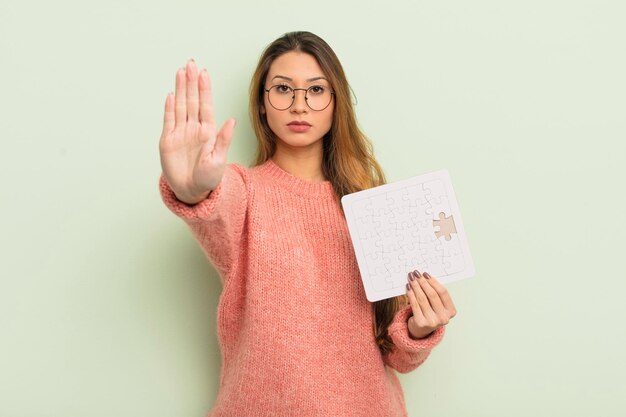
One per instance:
(262, 109)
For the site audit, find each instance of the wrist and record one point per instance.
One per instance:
(420, 337)
(419, 333)
(192, 199)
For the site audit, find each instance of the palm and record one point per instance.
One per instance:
(193, 154)
(187, 161)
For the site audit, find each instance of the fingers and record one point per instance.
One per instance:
(168, 119)
(206, 98)
(415, 305)
(223, 137)
(194, 97)
(444, 295)
(193, 102)
(433, 296)
(428, 299)
(181, 97)
(192, 91)
(419, 294)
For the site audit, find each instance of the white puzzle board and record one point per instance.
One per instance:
(406, 225)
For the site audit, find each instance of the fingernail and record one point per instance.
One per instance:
(411, 278)
(418, 274)
(426, 275)
(408, 287)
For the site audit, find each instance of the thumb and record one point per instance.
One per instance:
(224, 136)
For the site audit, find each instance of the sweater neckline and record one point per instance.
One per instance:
(295, 184)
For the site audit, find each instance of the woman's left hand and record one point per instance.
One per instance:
(431, 304)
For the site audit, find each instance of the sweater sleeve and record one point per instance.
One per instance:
(409, 353)
(217, 221)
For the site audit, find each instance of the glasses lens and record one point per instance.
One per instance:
(318, 97)
(281, 97)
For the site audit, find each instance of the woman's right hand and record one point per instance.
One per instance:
(193, 153)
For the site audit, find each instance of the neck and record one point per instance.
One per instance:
(302, 163)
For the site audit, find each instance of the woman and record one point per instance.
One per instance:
(297, 334)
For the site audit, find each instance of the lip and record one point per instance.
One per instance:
(299, 128)
(298, 123)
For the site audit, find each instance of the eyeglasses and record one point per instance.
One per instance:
(282, 96)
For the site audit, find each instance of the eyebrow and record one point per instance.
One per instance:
(309, 80)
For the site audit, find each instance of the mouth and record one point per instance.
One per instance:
(299, 126)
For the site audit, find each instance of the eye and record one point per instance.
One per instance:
(283, 89)
(317, 89)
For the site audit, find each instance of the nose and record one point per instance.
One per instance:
(299, 101)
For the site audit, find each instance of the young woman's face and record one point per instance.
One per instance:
(298, 70)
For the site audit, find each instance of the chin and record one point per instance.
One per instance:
(299, 140)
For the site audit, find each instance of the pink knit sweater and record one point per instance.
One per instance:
(294, 327)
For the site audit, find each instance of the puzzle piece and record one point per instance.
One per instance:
(444, 226)
(378, 205)
(434, 191)
(376, 268)
(454, 262)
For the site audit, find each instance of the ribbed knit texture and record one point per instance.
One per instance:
(294, 326)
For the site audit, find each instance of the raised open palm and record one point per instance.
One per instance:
(193, 153)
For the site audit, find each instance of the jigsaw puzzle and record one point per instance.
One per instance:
(407, 225)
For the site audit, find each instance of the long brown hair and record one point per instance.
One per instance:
(348, 161)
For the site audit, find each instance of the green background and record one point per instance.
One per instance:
(107, 304)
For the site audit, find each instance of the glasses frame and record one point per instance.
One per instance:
(293, 97)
